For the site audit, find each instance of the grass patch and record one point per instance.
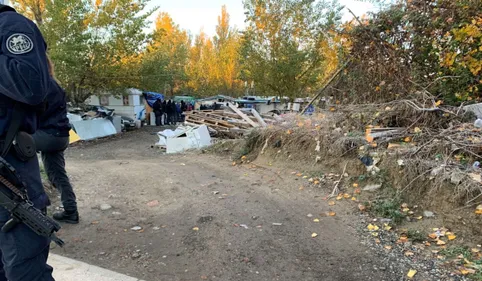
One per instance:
(456, 251)
(389, 208)
(415, 236)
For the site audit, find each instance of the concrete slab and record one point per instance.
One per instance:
(66, 269)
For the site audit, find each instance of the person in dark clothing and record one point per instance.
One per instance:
(24, 82)
(174, 113)
(52, 139)
(164, 112)
(169, 112)
(157, 111)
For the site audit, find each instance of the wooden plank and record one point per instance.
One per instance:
(216, 121)
(258, 117)
(244, 116)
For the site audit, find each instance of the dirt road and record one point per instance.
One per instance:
(212, 221)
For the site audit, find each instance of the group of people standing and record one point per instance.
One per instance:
(169, 112)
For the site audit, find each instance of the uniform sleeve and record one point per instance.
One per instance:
(23, 63)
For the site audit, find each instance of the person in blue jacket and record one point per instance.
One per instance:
(52, 139)
(24, 83)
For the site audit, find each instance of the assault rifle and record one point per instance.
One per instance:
(14, 199)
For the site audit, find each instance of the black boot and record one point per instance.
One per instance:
(67, 217)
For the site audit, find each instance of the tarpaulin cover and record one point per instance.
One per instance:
(151, 97)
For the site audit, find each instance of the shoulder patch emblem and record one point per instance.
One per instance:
(19, 44)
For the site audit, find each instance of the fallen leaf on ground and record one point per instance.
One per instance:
(378, 241)
(375, 234)
(314, 235)
(478, 210)
(372, 227)
(204, 277)
(331, 203)
(409, 253)
(417, 130)
(332, 214)
(403, 239)
(195, 228)
(95, 222)
(405, 210)
(305, 177)
(311, 180)
(357, 191)
(419, 218)
(387, 227)
(339, 197)
(234, 163)
(450, 236)
(475, 250)
(428, 244)
(388, 247)
(466, 271)
(346, 195)
(316, 220)
(411, 273)
(355, 185)
(301, 188)
(433, 235)
(441, 242)
(353, 199)
(404, 205)
(153, 203)
(316, 182)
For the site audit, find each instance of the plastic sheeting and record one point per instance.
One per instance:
(151, 97)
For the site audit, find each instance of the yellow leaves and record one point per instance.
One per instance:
(411, 273)
(449, 59)
(388, 247)
(195, 228)
(332, 214)
(314, 235)
(478, 210)
(331, 203)
(98, 3)
(450, 236)
(316, 220)
(289, 132)
(372, 227)
(346, 196)
(355, 185)
(387, 227)
(339, 197)
(441, 242)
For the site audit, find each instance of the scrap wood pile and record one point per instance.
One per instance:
(233, 123)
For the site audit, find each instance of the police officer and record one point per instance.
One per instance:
(24, 82)
(51, 139)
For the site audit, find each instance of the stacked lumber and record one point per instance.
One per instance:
(234, 122)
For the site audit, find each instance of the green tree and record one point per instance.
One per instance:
(282, 44)
(95, 46)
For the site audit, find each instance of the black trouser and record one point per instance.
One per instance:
(52, 150)
(158, 115)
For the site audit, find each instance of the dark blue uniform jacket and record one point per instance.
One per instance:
(24, 75)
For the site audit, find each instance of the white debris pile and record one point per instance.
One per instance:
(184, 138)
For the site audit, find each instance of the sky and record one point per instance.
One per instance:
(194, 15)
